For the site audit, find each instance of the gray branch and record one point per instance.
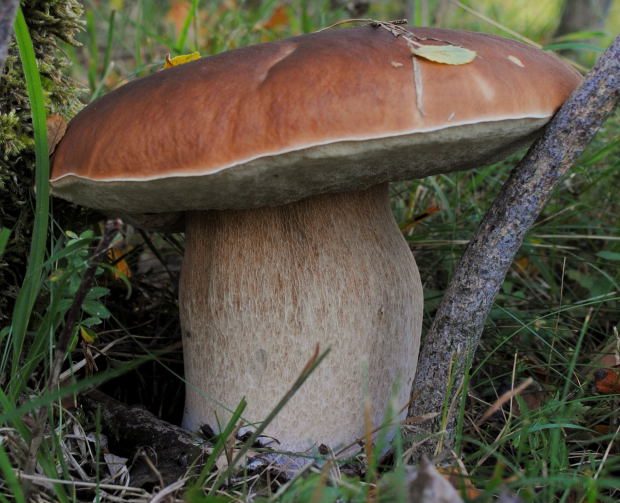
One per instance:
(458, 324)
(7, 16)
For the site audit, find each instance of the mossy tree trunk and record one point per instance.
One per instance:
(51, 23)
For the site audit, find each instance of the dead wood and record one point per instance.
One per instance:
(171, 449)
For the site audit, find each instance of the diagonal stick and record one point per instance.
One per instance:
(459, 321)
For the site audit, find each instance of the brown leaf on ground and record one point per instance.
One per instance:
(526, 266)
(534, 397)
(601, 429)
(460, 481)
(607, 380)
(279, 19)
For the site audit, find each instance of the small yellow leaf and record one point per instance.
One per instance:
(121, 268)
(180, 60)
(88, 334)
(56, 275)
(446, 54)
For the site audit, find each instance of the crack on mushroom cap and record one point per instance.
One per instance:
(284, 52)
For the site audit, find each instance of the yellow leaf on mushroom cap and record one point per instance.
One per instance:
(179, 60)
(446, 54)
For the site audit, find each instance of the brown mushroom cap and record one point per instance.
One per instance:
(325, 112)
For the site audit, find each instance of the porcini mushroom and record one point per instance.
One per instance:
(279, 156)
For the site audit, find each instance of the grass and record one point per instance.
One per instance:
(32, 282)
(555, 317)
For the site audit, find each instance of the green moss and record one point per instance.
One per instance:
(51, 23)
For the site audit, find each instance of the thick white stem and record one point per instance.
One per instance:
(260, 288)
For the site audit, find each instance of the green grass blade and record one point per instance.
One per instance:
(32, 281)
(180, 45)
(572, 45)
(194, 492)
(7, 405)
(600, 154)
(93, 62)
(97, 88)
(305, 21)
(573, 361)
(139, 37)
(416, 10)
(4, 239)
(580, 35)
(108, 47)
(10, 478)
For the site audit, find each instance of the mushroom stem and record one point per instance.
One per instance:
(261, 287)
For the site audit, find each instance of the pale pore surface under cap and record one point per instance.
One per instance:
(338, 166)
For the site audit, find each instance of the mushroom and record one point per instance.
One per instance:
(278, 156)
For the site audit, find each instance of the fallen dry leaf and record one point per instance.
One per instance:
(607, 380)
(461, 482)
(116, 464)
(526, 266)
(601, 429)
(424, 484)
